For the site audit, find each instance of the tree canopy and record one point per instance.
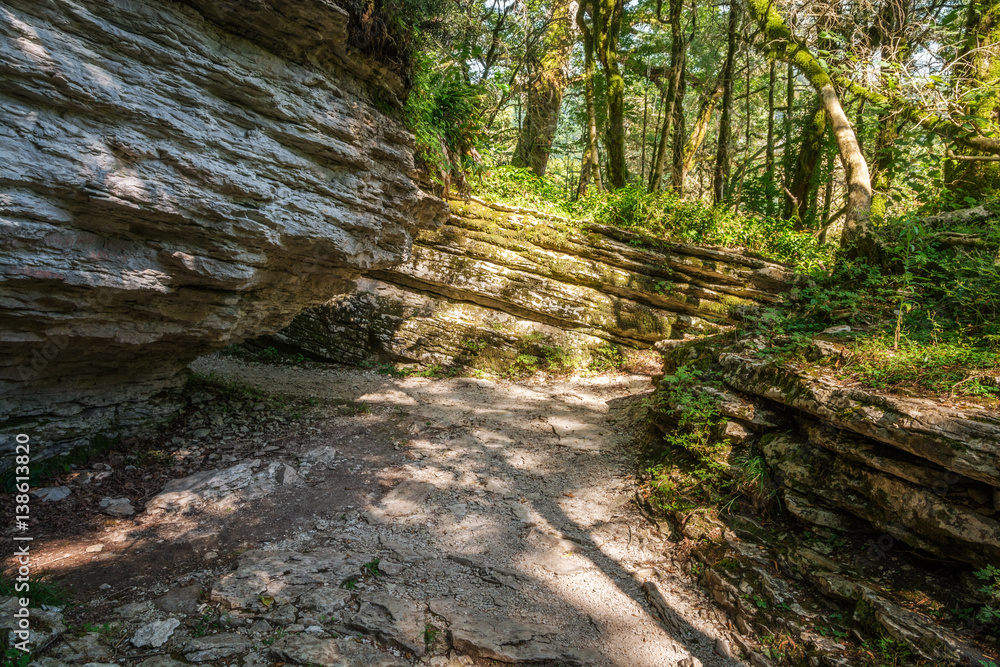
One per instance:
(834, 117)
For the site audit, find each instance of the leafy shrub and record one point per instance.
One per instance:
(443, 112)
(990, 613)
(521, 187)
(668, 216)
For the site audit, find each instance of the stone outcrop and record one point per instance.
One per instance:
(178, 177)
(964, 441)
(894, 482)
(496, 282)
(847, 458)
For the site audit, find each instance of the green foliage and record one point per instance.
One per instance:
(16, 658)
(521, 187)
(668, 216)
(607, 357)
(889, 652)
(927, 322)
(990, 612)
(950, 364)
(662, 215)
(443, 110)
(393, 30)
(48, 468)
(696, 414)
(386, 368)
(371, 568)
(430, 634)
(205, 625)
(40, 592)
(531, 353)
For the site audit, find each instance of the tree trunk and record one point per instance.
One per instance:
(590, 167)
(722, 157)
(701, 123)
(769, 155)
(858, 239)
(660, 102)
(889, 35)
(660, 163)
(645, 125)
(978, 68)
(545, 92)
(607, 27)
(810, 152)
(677, 56)
(680, 131)
(786, 157)
(827, 198)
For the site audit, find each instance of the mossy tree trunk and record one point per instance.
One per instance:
(859, 238)
(607, 26)
(786, 157)
(545, 91)
(889, 35)
(772, 79)
(723, 160)
(977, 77)
(590, 169)
(810, 152)
(677, 57)
(701, 123)
(680, 131)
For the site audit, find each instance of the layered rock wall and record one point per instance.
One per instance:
(850, 459)
(178, 177)
(497, 282)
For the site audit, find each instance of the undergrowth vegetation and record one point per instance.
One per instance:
(703, 469)
(926, 323)
(441, 111)
(664, 215)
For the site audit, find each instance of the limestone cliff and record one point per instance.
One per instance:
(175, 178)
(495, 282)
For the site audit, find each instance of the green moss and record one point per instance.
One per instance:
(864, 616)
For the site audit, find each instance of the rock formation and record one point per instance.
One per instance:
(177, 178)
(494, 283)
(847, 458)
(870, 484)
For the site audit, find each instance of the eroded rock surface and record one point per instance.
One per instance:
(173, 183)
(494, 283)
(877, 475)
(925, 473)
(455, 522)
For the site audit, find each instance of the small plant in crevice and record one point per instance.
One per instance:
(371, 568)
(205, 625)
(42, 590)
(990, 612)
(430, 635)
(14, 657)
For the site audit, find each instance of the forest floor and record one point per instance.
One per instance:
(329, 515)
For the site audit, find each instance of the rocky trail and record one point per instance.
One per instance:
(373, 520)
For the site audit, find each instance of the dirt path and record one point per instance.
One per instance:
(501, 515)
